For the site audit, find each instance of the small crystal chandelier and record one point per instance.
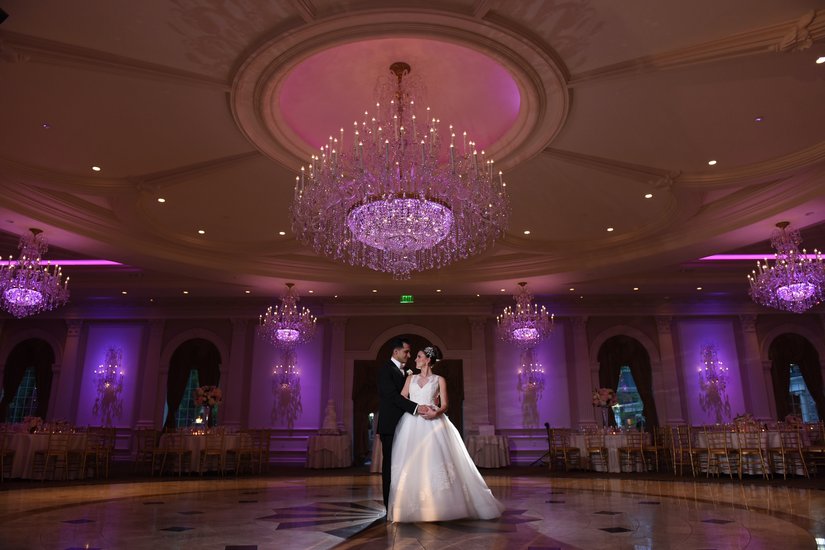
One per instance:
(27, 286)
(390, 199)
(287, 326)
(713, 381)
(527, 325)
(109, 375)
(795, 282)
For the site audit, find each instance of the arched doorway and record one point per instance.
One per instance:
(27, 380)
(623, 351)
(198, 355)
(365, 391)
(789, 350)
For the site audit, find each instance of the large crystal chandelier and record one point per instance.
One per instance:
(527, 325)
(795, 282)
(287, 326)
(713, 382)
(390, 198)
(109, 375)
(27, 286)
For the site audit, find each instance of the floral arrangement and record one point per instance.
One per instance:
(32, 423)
(207, 396)
(604, 397)
(793, 420)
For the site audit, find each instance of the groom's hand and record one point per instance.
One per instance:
(429, 412)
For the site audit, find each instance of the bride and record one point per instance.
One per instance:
(433, 476)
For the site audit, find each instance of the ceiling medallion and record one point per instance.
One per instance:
(28, 286)
(795, 282)
(391, 197)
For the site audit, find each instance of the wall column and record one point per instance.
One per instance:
(476, 402)
(148, 397)
(232, 378)
(339, 389)
(581, 398)
(758, 394)
(665, 378)
(64, 384)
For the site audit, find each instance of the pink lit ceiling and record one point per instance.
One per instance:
(588, 106)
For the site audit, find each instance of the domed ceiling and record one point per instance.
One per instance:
(605, 118)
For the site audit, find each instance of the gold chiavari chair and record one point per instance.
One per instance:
(631, 453)
(815, 449)
(146, 442)
(718, 452)
(682, 450)
(172, 446)
(214, 451)
(790, 456)
(57, 454)
(659, 450)
(596, 450)
(6, 454)
(561, 450)
(752, 446)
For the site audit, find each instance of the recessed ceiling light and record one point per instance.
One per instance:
(186, 292)
(504, 290)
(335, 296)
(820, 60)
(478, 295)
(572, 289)
(151, 299)
(161, 199)
(46, 126)
(438, 290)
(648, 195)
(201, 232)
(311, 291)
(123, 292)
(247, 292)
(526, 231)
(635, 288)
(759, 119)
(698, 288)
(281, 233)
(96, 168)
(375, 290)
(712, 162)
(609, 229)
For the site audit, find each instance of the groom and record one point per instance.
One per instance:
(392, 405)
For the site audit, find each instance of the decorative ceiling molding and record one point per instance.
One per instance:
(305, 9)
(168, 178)
(656, 177)
(480, 8)
(751, 174)
(41, 50)
(541, 82)
(784, 37)
(16, 173)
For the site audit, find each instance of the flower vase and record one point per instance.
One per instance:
(206, 415)
(605, 420)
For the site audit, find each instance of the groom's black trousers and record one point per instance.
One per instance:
(386, 466)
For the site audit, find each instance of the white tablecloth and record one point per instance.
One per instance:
(25, 445)
(612, 441)
(489, 451)
(329, 451)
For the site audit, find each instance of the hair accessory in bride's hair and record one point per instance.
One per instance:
(432, 353)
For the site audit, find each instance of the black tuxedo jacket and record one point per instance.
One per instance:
(391, 405)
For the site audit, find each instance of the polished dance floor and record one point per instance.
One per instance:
(344, 511)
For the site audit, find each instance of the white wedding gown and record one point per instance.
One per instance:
(433, 476)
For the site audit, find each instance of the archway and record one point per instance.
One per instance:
(195, 354)
(365, 390)
(618, 351)
(32, 353)
(791, 348)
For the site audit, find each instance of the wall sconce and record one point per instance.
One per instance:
(713, 381)
(109, 377)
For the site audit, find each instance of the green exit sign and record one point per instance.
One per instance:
(407, 299)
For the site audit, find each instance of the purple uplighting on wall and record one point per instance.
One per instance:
(81, 263)
(693, 336)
